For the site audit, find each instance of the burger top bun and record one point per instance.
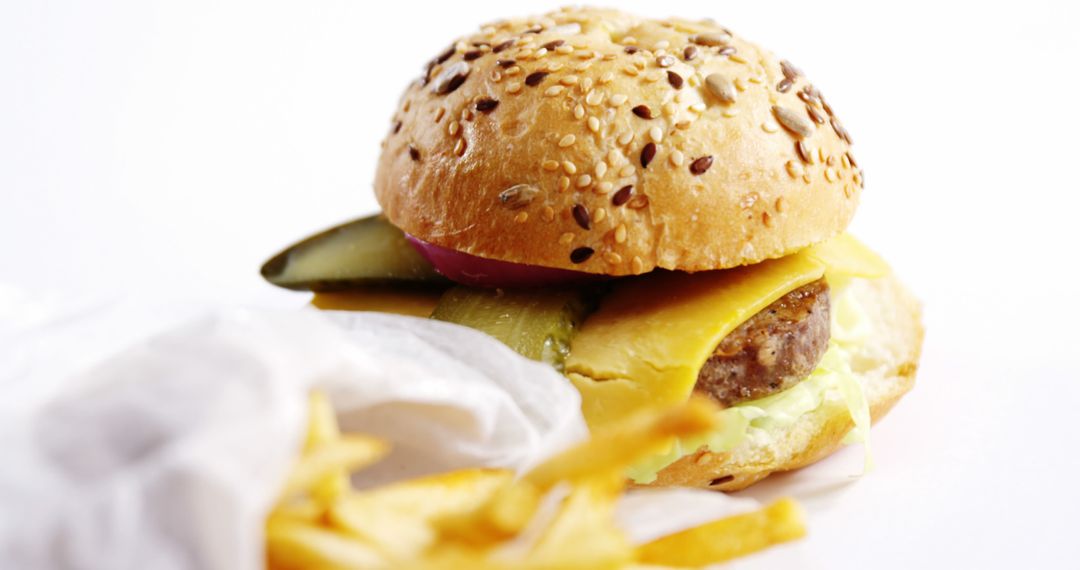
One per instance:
(602, 142)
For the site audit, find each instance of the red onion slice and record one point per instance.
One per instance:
(476, 271)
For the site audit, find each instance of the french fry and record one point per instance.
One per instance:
(640, 436)
(323, 428)
(345, 453)
(403, 518)
(300, 545)
(583, 534)
(728, 538)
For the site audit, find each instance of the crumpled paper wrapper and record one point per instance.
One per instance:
(170, 454)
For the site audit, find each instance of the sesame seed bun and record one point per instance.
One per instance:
(601, 142)
(886, 363)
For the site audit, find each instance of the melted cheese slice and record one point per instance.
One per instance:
(651, 335)
(414, 303)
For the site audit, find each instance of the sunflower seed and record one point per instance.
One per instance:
(721, 87)
(793, 121)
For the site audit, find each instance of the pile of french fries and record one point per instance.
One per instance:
(558, 515)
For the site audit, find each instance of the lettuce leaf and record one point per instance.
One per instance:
(832, 379)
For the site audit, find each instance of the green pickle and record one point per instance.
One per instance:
(361, 253)
(537, 324)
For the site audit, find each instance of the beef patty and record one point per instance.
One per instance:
(774, 350)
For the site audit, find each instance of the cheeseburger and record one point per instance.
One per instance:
(654, 207)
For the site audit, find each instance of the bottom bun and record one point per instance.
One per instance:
(885, 362)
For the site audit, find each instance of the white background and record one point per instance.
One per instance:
(156, 150)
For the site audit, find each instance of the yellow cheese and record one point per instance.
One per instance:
(416, 303)
(651, 335)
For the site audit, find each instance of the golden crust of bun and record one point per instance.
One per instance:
(886, 361)
(602, 142)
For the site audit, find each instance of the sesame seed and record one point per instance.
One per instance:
(730, 112)
(505, 63)
(831, 161)
(785, 85)
(564, 50)
(550, 165)
(548, 214)
(851, 159)
(766, 219)
(569, 167)
(780, 205)
(617, 99)
(700, 165)
(631, 71)
(844, 161)
(586, 84)
(414, 153)
(631, 49)
(647, 154)
(793, 121)
(564, 183)
(612, 258)
(697, 107)
(581, 216)
(821, 153)
(620, 233)
(675, 79)
(471, 55)
(496, 76)
(486, 105)
(653, 76)
(594, 98)
(729, 51)
(613, 157)
(569, 80)
(830, 174)
(601, 169)
(514, 70)
(599, 215)
(459, 147)
(623, 195)
(740, 85)
(513, 88)
(815, 115)
(554, 90)
(566, 238)
(517, 195)
(794, 169)
(453, 128)
(642, 111)
(397, 125)
(638, 202)
(682, 125)
(627, 170)
(504, 45)
(540, 53)
(676, 157)
(567, 141)
(721, 87)
(446, 54)
(533, 79)
(656, 134)
(770, 126)
(553, 66)
(607, 77)
(662, 44)
(584, 181)
(625, 138)
(604, 187)
(554, 44)
(670, 109)
(581, 254)
(665, 61)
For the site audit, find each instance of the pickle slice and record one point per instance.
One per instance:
(537, 324)
(361, 253)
